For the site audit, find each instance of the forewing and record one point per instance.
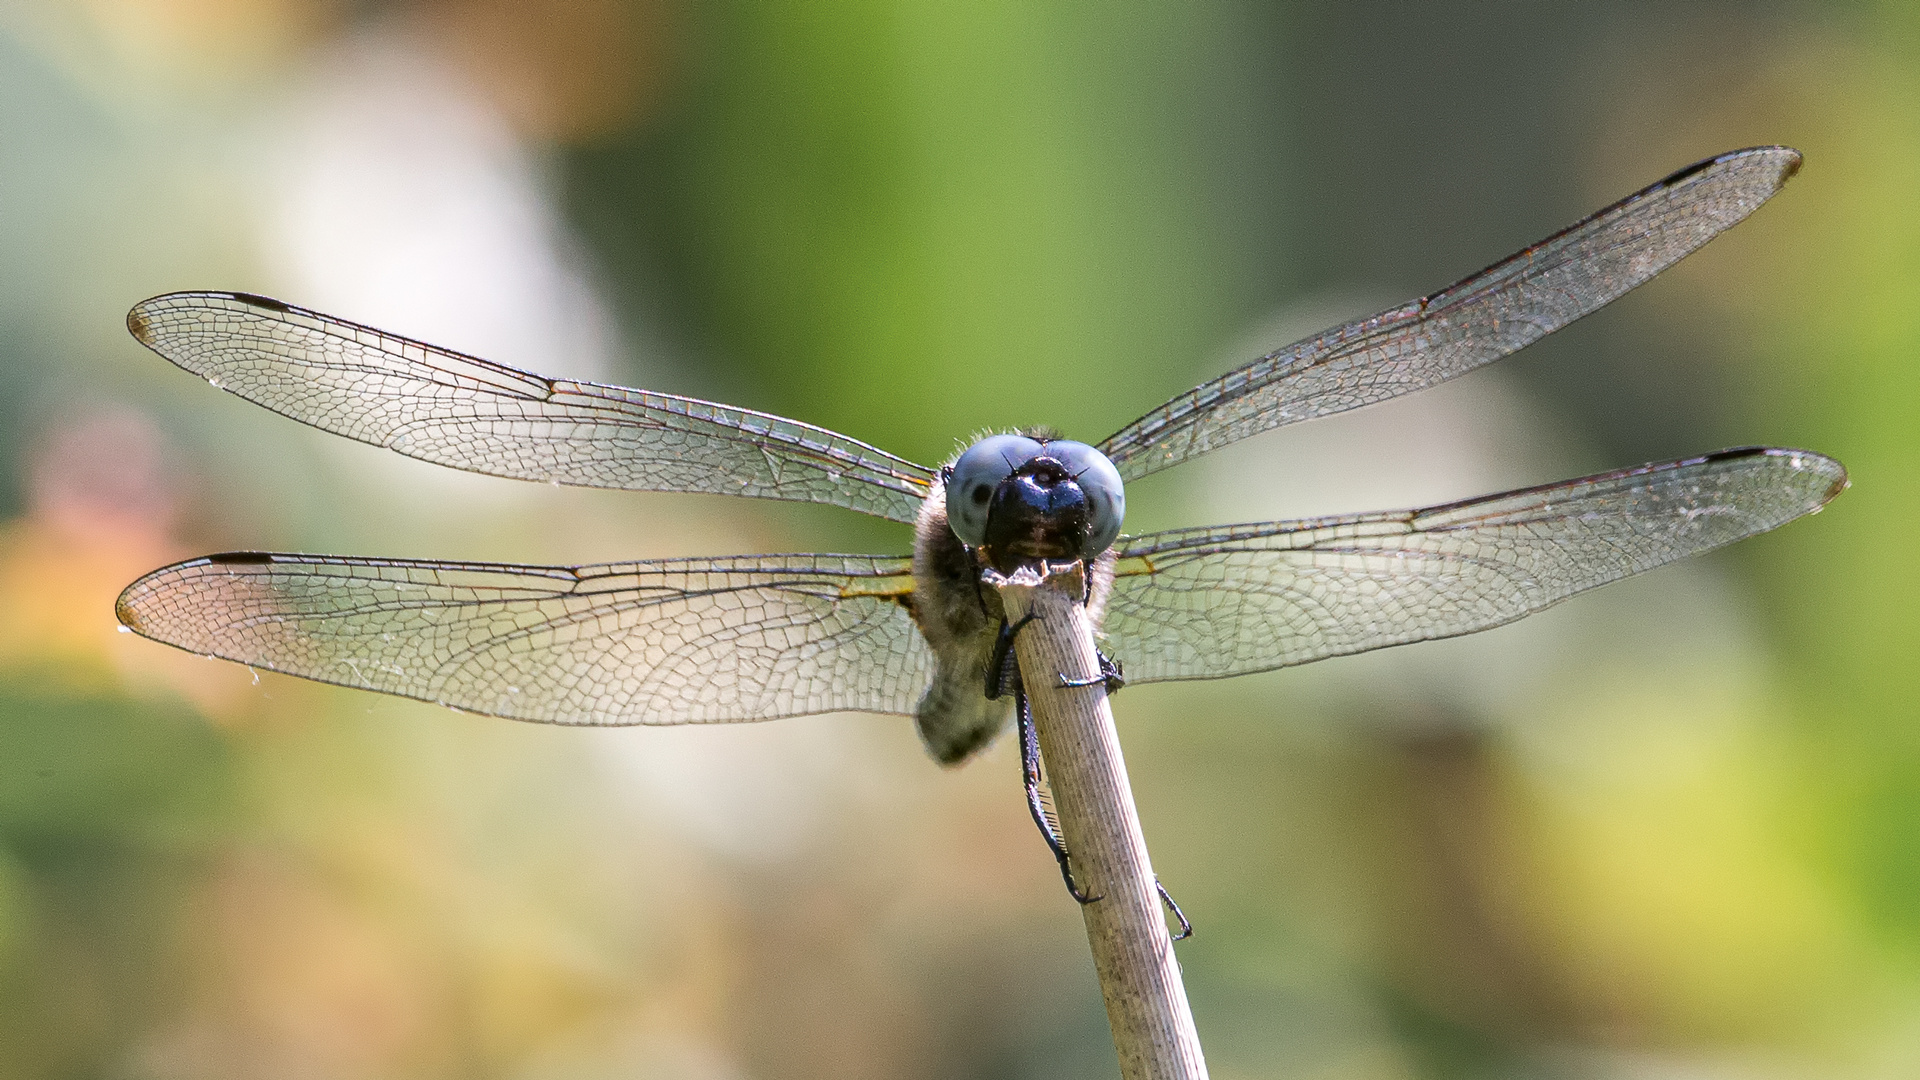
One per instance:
(677, 641)
(1432, 339)
(457, 410)
(1205, 603)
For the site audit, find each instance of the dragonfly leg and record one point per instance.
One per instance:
(1186, 928)
(1000, 673)
(1110, 675)
(979, 587)
(1030, 773)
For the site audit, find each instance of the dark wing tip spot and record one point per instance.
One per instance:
(1788, 167)
(240, 558)
(267, 302)
(1680, 175)
(138, 326)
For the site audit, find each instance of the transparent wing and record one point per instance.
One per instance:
(457, 410)
(679, 641)
(1432, 339)
(1206, 603)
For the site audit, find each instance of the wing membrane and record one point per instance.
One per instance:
(1207, 603)
(678, 641)
(457, 410)
(1432, 339)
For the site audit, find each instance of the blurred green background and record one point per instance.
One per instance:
(1668, 830)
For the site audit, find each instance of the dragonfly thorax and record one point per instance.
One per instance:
(1021, 499)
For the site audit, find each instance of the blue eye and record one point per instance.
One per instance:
(1106, 495)
(976, 474)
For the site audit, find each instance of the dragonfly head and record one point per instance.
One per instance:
(1023, 499)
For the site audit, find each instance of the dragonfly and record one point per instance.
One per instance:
(758, 637)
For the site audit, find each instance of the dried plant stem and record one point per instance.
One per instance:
(1132, 951)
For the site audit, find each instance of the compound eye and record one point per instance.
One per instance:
(976, 474)
(1106, 495)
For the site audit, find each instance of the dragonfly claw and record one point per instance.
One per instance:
(1110, 676)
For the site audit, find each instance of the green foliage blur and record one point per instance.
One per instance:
(1671, 829)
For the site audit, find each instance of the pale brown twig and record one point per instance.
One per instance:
(1132, 951)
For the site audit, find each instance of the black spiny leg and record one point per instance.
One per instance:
(1030, 772)
(1001, 675)
(1186, 928)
